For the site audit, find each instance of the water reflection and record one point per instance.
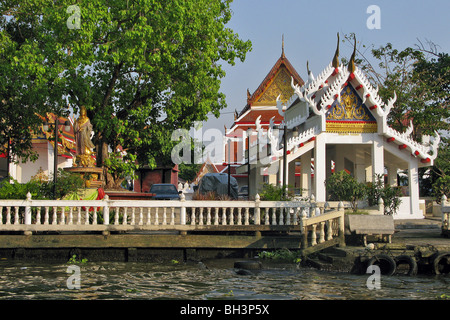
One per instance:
(133, 280)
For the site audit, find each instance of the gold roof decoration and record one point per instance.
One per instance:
(351, 65)
(335, 62)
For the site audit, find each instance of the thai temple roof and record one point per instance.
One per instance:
(66, 139)
(275, 85)
(343, 100)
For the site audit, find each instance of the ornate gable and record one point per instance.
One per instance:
(277, 82)
(350, 114)
(280, 85)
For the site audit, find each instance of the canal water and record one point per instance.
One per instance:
(21, 280)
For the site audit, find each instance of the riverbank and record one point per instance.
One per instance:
(420, 240)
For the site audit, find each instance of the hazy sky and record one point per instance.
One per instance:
(310, 28)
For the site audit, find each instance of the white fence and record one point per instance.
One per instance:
(128, 215)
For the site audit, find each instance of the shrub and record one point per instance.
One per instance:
(66, 183)
(11, 189)
(343, 187)
(390, 195)
(211, 195)
(271, 192)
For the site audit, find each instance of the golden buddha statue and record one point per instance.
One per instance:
(85, 147)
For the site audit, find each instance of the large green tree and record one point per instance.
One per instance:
(142, 68)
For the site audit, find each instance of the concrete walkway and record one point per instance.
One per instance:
(421, 232)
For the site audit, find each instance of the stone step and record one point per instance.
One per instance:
(417, 224)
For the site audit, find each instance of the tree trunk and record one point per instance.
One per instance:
(102, 155)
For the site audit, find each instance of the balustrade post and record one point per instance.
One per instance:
(70, 216)
(16, 215)
(321, 209)
(183, 209)
(208, 216)
(106, 210)
(257, 214)
(312, 209)
(141, 216)
(329, 225)
(8, 215)
(303, 229)
(28, 209)
(341, 234)
(380, 206)
(313, 235)
(445, 213)
(321, 232)
(200, 217)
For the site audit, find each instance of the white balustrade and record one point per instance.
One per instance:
(316, 220)
(445, 208)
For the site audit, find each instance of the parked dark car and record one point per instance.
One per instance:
(218, 183)
(165, 191)
(243, 193)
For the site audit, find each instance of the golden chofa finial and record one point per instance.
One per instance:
(335, 62)
(282, 46)
(351, 64)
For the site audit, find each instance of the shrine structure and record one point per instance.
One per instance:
(338, 121)
(261, 107)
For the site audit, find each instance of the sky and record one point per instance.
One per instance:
(310, 28)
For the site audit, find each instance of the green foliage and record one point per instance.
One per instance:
(440, 172)
(272, 192)
(188, 172)
(420, 78)
(391, 198)
(141, 68)
(281, 255)
(66, 183)
(120, 167)
(343, 187)
(11, 189)
(442, 187)
(75, 260)
(360, 212)
(390, 195)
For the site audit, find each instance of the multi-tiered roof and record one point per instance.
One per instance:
(342, 100)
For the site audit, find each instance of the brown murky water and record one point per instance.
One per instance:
(195, 281)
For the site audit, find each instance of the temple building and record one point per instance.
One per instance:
(262, 108)
(337, 121)
(43, 143)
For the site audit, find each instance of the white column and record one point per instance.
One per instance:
(413, 182)
(360, 165)
(320, 168)
(377, 156)
(291, 173)
(305, 181)
(392, 175)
